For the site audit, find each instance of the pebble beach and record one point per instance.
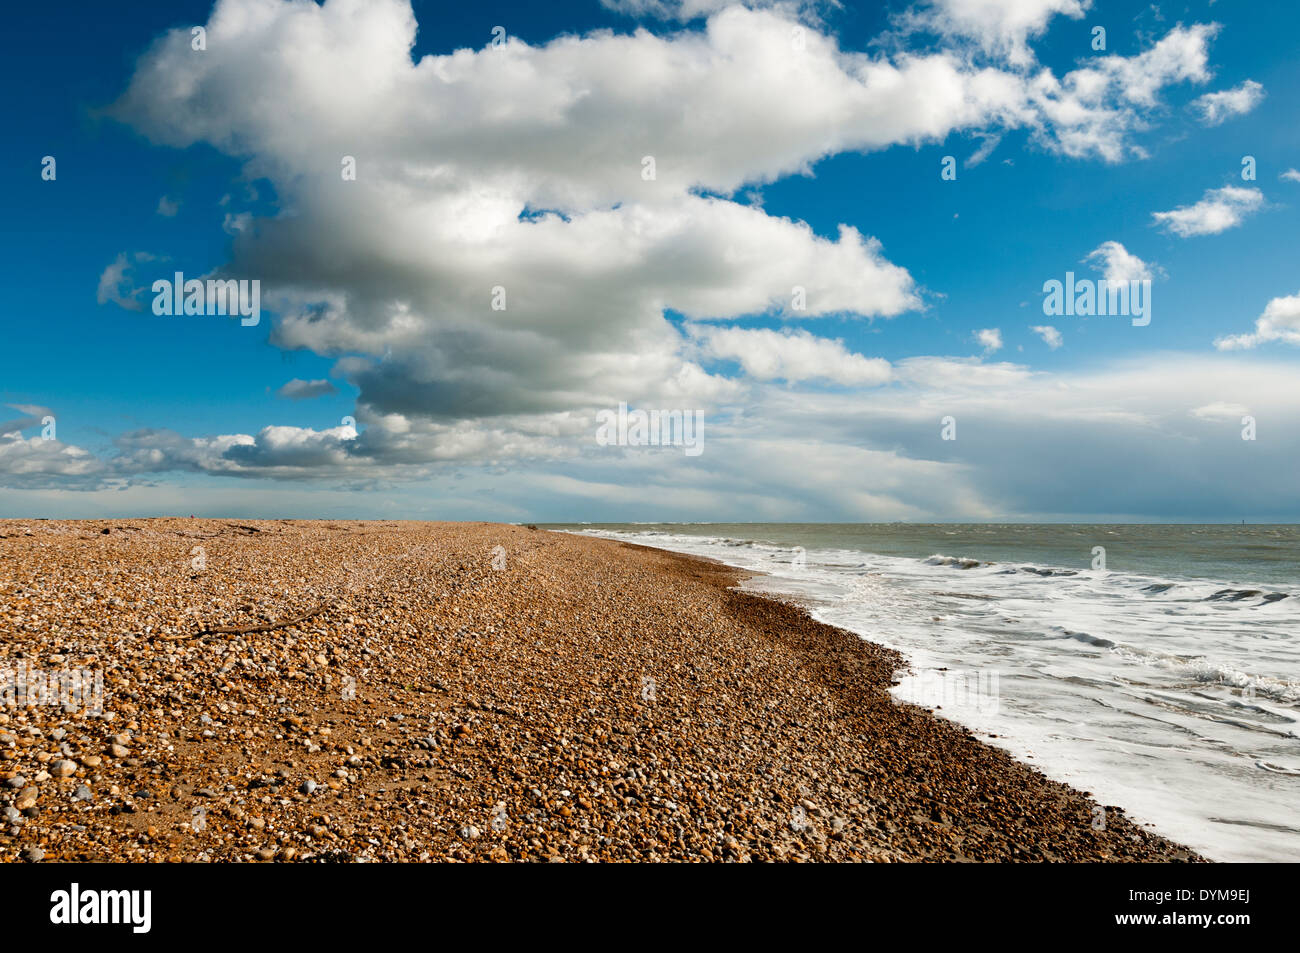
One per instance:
(316, 691)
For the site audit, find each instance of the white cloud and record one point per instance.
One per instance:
(873, 453)
(455, 156)
(518, 167)
(1096, 110)
(987, 145)
(685, 10)
(1217, 211)
(276, 451)
(1216, 108)
(990, 339)
(391, 448)
(37, 462)
(1001, 28)
(1051, 337)
(1290, 175)
(117, 282)
(1182, 55)
(168, 207)
(1279, 322)
(545, 126)
(757, 112)
(791, 356)
(1117, 263)
(521, 167)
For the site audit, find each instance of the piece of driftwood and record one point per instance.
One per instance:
(248, 629)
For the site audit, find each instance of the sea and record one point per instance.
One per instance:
(1156, 667)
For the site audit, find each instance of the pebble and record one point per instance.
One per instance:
(432, 690)
(63, 769)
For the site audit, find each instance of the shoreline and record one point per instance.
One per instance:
(587, 699)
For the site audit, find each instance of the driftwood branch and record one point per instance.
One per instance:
(247, 629)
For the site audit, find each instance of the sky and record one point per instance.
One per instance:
(826, 231)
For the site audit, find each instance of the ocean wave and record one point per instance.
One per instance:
(956, 562)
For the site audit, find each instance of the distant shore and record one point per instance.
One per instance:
(398, 691)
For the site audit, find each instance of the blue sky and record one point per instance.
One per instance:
(657, 294)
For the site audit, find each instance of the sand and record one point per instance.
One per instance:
(400, 691)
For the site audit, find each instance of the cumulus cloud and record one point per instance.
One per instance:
(544, 126)
(1279, 322)
(1117, 263)
(298, 389)
(990, 339)
(791, 356)
(1290, 175)
(503, 263)
(36, 463)
(1050, 335)
(1217, 211)
(1097, 109)
(391, 447)
(275, 452)
(513, 240)
(1217, 108)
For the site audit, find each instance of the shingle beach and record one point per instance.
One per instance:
(294, 690)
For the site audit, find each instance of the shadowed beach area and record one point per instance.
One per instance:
(289, 690)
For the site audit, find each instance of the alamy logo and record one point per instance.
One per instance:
(972, 691)
(70, 689)
(216, 296)
(75, 906)
(1085, 297)
(651, 428)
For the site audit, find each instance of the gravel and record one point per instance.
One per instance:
(590, 701)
